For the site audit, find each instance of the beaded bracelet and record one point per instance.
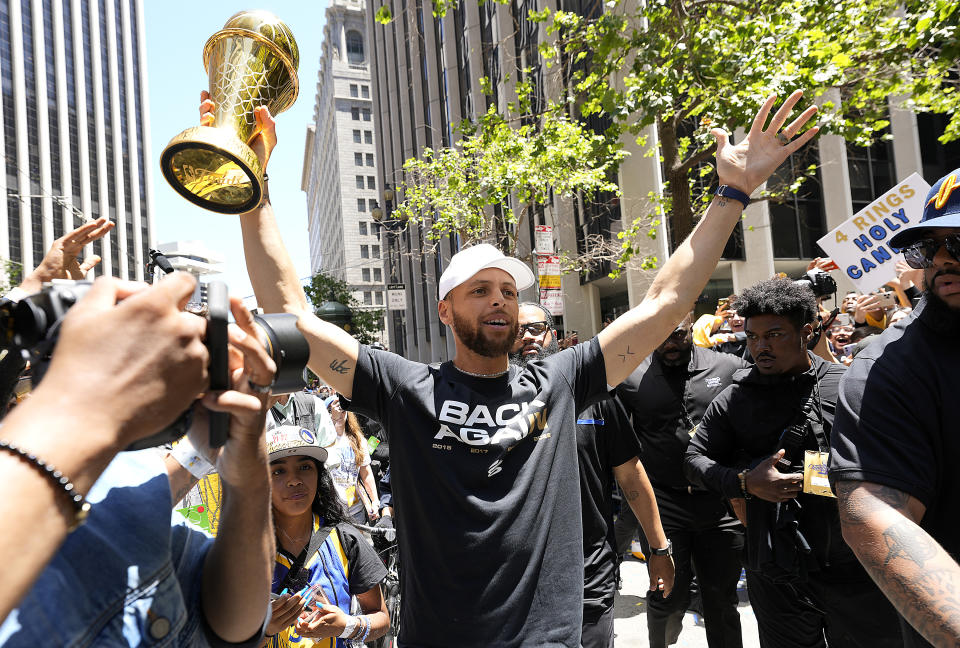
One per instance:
(80, 504)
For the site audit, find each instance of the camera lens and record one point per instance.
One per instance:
(288, 348)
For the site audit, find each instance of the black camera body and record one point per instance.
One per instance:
(791, 441)
(820, 282)
(31, 328)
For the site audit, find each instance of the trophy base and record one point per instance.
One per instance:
(214, 169)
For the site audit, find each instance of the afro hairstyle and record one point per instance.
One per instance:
(782, 297)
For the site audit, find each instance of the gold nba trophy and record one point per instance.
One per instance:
(251, 62)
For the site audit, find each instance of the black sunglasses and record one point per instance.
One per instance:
(920, 255)
(533, 328)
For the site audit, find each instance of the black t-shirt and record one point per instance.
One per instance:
(484, 472)
(605, 439)
(896, 423)
(668, 402)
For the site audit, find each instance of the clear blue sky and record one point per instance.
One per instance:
(175, 34)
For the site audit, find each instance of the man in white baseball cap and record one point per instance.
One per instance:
(483, 455)
(471, 260)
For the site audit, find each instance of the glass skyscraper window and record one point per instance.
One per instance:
(78, 122)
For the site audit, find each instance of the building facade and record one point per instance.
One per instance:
(426, 73)
(75, 129)
(340, 161)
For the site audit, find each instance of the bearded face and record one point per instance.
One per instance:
(490, 335)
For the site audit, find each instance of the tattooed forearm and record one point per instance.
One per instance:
(906, 540)
(178, 494)
(860, 501)
(623, 356)
(913, 571)
(340, 366)
(631, 494)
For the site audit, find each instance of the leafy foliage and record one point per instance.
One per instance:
(365, 323)
(513, 170)
(686, 67)
(10, 274)
(932, 33)
(681, 67)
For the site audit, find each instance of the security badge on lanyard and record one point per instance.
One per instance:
(815, 480)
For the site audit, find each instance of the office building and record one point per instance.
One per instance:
(75, 129)
(426, 73)
(340, 162)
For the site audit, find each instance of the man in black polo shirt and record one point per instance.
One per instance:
(755, 441)
(606, 448)
(896, 441)
(667, 396)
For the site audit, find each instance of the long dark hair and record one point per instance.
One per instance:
(326, 503)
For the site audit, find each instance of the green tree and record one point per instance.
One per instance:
(10, 274)
(365, 324)
(684, 67)
(933, 34)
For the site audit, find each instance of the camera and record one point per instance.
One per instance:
(30, 328)
(820, 282)
(791, 441)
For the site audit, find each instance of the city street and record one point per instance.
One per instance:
(630, 620)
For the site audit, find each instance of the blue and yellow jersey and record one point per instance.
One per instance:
(329, 567)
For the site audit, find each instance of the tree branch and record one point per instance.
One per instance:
(698, 158)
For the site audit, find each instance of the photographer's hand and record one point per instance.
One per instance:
(233, 599)
(768, 483)
(120, 372)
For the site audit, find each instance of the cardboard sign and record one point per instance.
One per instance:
(396, 297)
(860, 246)
(543, 239)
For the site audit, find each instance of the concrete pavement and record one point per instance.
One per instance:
(630, 619)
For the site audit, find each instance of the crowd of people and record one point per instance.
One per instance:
(737, 440)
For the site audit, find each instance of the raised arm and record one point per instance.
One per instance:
(744, 166)
(880, 524)
(333, 352)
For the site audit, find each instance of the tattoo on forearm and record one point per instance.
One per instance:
(181, 492)
(623, 356)
(907, 540)
(911, 569)
(631, 494)
(340, 366)
(722, 201)
(859, 502)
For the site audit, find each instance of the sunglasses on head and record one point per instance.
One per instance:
(533, 328)
(920, 255)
